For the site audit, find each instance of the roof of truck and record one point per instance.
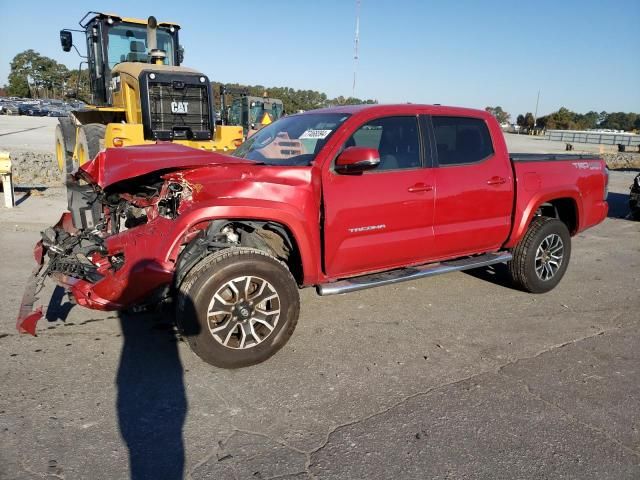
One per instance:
(409, 108)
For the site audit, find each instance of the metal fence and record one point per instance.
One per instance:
(628, 139)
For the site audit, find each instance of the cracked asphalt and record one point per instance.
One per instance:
(457, 376)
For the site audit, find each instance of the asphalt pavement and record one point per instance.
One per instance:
(456, 376)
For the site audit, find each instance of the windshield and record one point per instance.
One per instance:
(128, 43)
(235, 112)
(293, 140)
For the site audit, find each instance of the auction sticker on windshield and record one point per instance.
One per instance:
(315, 134)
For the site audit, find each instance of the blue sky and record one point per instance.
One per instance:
(581, 54)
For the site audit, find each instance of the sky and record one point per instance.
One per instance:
(580, 54)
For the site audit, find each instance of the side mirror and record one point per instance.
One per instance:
(357, 159)
(180, 55)
(66, 40)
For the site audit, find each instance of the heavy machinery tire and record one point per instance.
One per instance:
(90, 141)
(541, 257)
(237, 307)
(63, 157)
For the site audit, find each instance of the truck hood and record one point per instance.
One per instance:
(117, 164)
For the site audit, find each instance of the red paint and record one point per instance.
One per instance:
(130, 162)
(371, 222)
(28, 324)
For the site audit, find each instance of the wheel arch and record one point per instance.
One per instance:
(565, 206)
(564, 209)
(300, 261)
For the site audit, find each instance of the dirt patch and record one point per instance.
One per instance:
(622, 161)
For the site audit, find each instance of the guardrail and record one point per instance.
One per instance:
(574, 136)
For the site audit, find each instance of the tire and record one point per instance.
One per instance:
(542, 256)
(90, 141)
(220, 339)
(63, 157)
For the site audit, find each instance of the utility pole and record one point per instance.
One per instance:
(535, 115)
(355, 48)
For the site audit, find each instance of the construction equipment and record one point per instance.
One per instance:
(140, 93)
(250, 112)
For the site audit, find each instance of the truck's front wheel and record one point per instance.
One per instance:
(238, 307)
(541, 257)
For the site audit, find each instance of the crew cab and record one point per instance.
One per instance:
(342, 199)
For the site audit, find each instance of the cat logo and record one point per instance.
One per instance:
(180, 107)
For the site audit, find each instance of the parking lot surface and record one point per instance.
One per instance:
(457, 376)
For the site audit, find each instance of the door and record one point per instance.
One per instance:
(474, 200)
(381, 218)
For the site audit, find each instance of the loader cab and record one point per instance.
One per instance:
(112, 40)
(253, 113)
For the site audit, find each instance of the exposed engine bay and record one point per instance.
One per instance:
(97, 214)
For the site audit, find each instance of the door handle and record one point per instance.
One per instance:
(496, 181)
(420, 187)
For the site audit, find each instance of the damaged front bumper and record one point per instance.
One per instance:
(28, 316)
(97, 277)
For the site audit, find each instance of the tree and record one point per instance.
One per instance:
(520, 120)
(620, 121)
(33, 75)
(292, 99)
(529, 121)
(499, 113)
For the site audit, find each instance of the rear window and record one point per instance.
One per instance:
(461, 140)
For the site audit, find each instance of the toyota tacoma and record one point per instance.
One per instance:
(342, 199)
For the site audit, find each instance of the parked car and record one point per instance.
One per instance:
(32, 110)
(634, 198)
(342, 199)
(9, 108)
(58, 112)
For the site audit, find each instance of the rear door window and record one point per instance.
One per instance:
(461, 140)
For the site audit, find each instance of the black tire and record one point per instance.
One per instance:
(214, 273)
(91, 139)
(523, 268)
(64, 158)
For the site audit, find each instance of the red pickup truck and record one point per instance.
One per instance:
(342, 199)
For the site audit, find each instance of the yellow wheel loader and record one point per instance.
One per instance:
(139, 92)
(250, 112)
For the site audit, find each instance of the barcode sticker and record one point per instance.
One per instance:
(315, 134)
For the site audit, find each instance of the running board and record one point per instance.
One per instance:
(411, 273)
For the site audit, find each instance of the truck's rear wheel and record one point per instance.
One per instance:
(541, 257)
(238, 307)
(90, 141)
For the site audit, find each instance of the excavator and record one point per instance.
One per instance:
(140, 93)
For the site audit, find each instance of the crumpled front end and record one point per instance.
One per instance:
(107, 249)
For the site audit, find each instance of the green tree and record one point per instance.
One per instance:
(292, 99)
(499, 113)
(35, 75)
(529, 121)
(520, 120)
(620, 121)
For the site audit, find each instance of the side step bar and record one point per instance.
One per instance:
(411, 273)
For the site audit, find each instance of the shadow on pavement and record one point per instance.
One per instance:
(151, 401)
(58, 309)
(497, 274)
(618, 205)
